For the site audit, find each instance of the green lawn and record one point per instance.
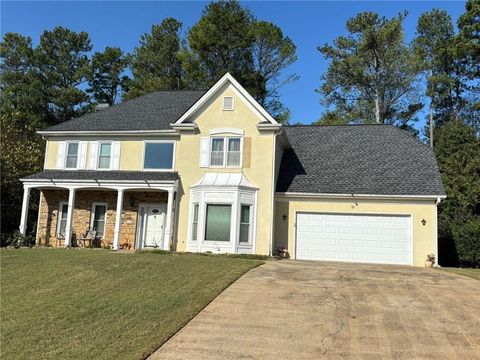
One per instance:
(473, 273)
(97, 304)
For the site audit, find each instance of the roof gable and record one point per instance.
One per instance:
(239, 89)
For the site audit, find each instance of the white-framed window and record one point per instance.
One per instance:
(228, 103)
(62, 219)
(98, 219)
(104, 155)
(195, 222)
(225, 151)
(158, 155)
(245, 222)
(71, 156)
(218, 222)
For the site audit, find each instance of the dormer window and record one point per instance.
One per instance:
(228, 103)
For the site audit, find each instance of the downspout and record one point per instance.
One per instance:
(272, 218)
(436, 230)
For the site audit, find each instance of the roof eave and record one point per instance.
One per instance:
(107, 132)
(296, 195)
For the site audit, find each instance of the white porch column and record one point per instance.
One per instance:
(168, 222)
(68, 227)
(25, 204)
(118, 219)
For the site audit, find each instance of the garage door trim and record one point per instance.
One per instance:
(405, 214)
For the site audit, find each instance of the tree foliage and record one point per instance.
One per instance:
(434, 36)
(23, 110)
(156, 63)
(221, 41)
(272, 52)
(371, 74)
(63, 65)
(228, 38)
(107, 75)
(458, 155)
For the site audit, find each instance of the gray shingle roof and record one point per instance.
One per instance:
(103, 175)
(357, 159)
(154, 111)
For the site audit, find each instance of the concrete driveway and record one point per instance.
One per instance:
(311, 310)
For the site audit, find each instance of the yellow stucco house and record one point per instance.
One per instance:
(212, 171)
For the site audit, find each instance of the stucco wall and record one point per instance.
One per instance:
(258, 166)
(131, 149)
(424, 236)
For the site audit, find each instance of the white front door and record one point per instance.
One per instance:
(368, 238)
(154, 225)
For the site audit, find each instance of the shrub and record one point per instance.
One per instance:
(467, 241)
(18, 240)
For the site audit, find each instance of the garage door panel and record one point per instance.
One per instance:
(351, 237)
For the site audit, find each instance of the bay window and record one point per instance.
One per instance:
(244, 236)
(195, 222)
(217, 222)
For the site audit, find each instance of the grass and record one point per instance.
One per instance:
(473, 273)
(96, 304)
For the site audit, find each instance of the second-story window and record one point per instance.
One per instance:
(72, 155)
(104, 155)
(216, 156)
(225, 151)
(159, 155)
(233, 152)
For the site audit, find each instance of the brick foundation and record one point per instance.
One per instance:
(49, 209)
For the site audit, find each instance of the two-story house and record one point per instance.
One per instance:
(212, 171)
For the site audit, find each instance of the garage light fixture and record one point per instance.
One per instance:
(284, 217)
(424, 222)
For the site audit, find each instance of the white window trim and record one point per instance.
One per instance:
(232, 221)
(250, 217)
(220, 195)
(67, 144)
(233, 103)
(225, 152)
(99, 145)
(145, 142)
(92, 216)
(59, 217)
(193, 220)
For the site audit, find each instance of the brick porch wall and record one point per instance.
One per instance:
(49, 209)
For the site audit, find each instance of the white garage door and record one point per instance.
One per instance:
(383, 239)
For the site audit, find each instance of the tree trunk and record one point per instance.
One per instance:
(377, 92)
(432, 108)
(377, 106)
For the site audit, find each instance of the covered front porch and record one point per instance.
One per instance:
(117, 210)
